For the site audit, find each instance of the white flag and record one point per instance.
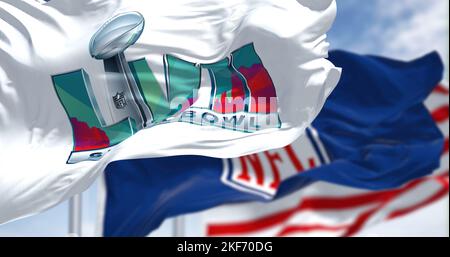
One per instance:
(87, 82)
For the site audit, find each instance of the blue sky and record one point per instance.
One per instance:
(401, 29)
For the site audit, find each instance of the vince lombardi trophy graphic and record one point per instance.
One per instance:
(108, 44)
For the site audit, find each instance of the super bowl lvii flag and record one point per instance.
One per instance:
(374, 132)
(87, 82)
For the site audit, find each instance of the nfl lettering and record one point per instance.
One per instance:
(261, 173)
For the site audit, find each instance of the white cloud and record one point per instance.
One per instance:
(426, 29)
(413, 28)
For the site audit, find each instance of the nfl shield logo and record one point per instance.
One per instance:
(119, 100)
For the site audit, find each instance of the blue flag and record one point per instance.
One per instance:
(373, 133)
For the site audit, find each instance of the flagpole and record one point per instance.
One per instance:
(178, 226)
(75, 215)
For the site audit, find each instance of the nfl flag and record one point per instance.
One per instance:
(326, 209)
(87, 82)
(374, 132)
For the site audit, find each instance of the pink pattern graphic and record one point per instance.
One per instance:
(87, 138)
(261, 88)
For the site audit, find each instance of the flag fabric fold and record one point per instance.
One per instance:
(381, 132)
(84, 83)
(374, 132)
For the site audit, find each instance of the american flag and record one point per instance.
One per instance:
(325, 209)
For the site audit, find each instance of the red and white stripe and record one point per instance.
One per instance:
(325, 209)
